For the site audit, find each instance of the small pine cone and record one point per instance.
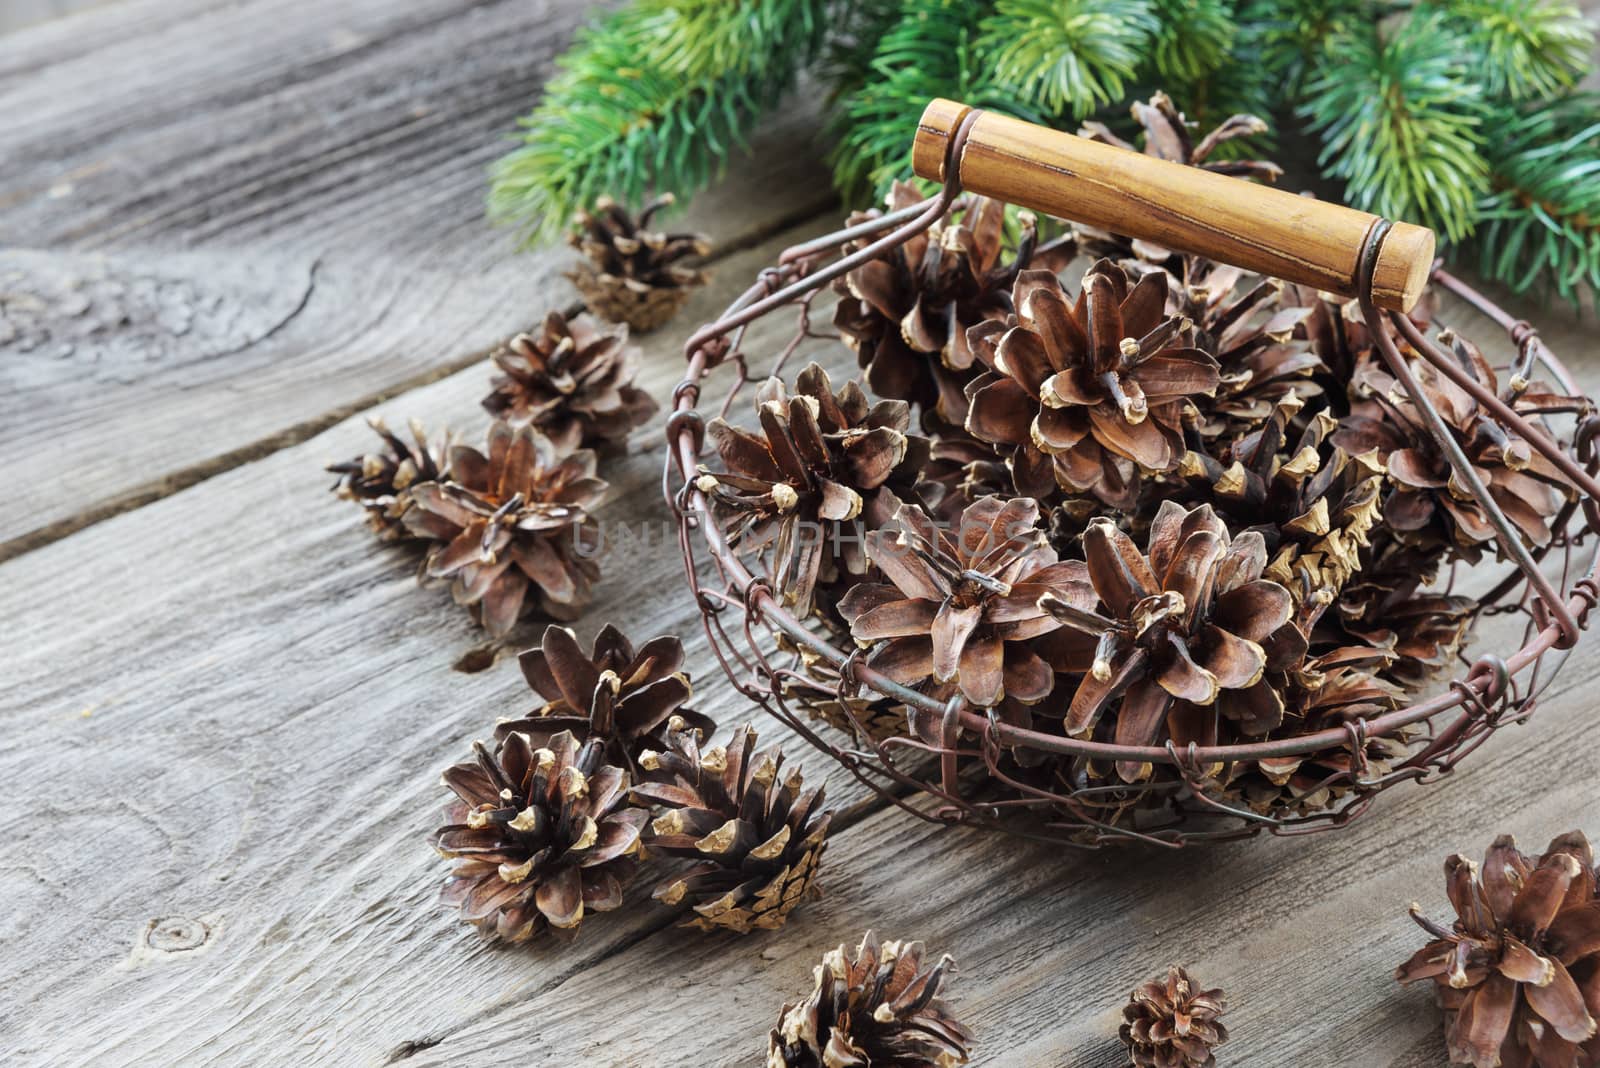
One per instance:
(381, 482)
(1518, 972)
(539, 835)
(634, 274)
(876, 1006)
(616, 693)
(514, 527)
(756, 835)
(1172, 1024)
(573, 380)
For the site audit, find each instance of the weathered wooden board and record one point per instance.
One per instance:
(225, 226)
(235, 704)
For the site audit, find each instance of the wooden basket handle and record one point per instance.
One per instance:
(1230, 220)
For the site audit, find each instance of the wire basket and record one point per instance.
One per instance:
(793, 668)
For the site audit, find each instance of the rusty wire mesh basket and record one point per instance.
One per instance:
(816, 680)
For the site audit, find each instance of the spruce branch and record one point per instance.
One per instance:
(1540, 223)
(1400, 121)
(1193, 39)
(1293, 34)
(1523, 49)
(641, 104)
(1068, 56)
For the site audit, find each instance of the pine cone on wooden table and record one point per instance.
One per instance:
(755, 834)
(540, 835)
(622, 695)
(877, 1005)
(631, 273)
(1172, 1023)
(512, 523)
(573, 380)
(381, 482)
(1518, 972)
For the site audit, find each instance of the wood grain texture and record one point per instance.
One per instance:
(224, 225)
(243, 745)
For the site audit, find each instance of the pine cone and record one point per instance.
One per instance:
(1087, 395)
(874, 1007)
(756, 835)
(633, 274)
(907, 312)
(381, 482)
(1428, 505)
(512, 527)
(1166, 136)
(820, 459)
(539, 835)
(961, 603)
(1185, 652)
(573, 381)
(622, 696)
(1518, 972)
(1172, 1024)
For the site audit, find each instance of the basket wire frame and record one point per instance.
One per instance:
(764, 649)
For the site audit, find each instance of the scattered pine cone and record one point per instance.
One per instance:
(1170, 1023)
(633, 274)
(615, 693)
(381, 482)
(1518, 972)
(573, 381)
(876, 1006)
(513, 527)
(539, 835)
(756, 835)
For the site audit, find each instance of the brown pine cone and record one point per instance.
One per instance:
(615, 693)
(539, 835)
(633, 274)
(962, 601)
(1170, 1023)
(1087, 394)
(381, 482)
(513, 527)
(1518, 972)
(1183, 635)
(573, 381)
(757, 837)
(874, 1007)
(906, 313)
(820, 460)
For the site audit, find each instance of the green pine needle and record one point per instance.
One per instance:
(1194, 38)
(1068, 56)
(1399, 118)
(1523, 49)
(1540, 224)
(1294, 34)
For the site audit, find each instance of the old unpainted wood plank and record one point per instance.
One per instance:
(234, 705)
(224, 226)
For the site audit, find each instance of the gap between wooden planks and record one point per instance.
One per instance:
(274, 219)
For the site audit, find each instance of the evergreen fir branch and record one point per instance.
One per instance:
(1523, 49)
(1068, 56)
(1540, 224)
(860, 26)
(1242, 84)
(713, 38)
(1193, 39)
(1293, 34)
(1399, 118)
(623, 119)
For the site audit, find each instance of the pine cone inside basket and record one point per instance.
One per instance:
(1518, 971)
(539, 835)
(874, 1006)
(633, 274)
(1088, 393)
(1172, 1023)
(381, 482)
(755, 833)
(512, 524)
(573, 380)
(617, 693)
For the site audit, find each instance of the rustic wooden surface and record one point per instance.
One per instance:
(231, 231)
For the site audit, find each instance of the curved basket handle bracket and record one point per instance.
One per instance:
(1189, 209)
